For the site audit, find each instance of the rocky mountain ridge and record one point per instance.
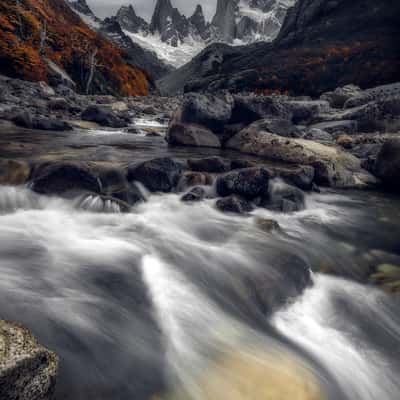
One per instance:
(322, 44)
(235, 22)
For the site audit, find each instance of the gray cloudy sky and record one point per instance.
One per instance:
(144, 8)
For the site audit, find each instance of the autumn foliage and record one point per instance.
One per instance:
(34, 31)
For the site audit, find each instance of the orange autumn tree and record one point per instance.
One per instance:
(34, 31)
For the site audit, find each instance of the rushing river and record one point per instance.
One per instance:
(155, 304)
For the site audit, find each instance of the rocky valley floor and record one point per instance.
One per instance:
(204, 246)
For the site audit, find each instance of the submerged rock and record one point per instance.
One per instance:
(248, 183)
(195, 194)
(28, 371)
(283, 197)
(103, 116)
(267, 225)
(234, 204)
(13, 172)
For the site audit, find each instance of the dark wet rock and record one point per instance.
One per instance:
(13, 172)
(28, 371)
(304, 111)
(338, 97)
(158, 175)
(267, 225)
(283, 197)
(191, 135)
(195, 194)
(241, 164)
(234, 204)
(344, 126)
(387, 166)
(248, 183)
(59, 103)
(153, 134)
(210, 111)
(103, 116)
(209, 164)
(63, 177)
(114, 183)
(248, 109)
(26, 120)
(134, 131)
(190, 178)
(301, 176)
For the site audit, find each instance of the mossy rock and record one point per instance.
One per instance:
(387, 277)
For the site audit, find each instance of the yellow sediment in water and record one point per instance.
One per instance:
(242, 376)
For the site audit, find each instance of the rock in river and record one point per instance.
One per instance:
(387, 166)
(158, 175)
(27, 370)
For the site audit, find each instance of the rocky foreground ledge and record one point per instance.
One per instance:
(27, 370)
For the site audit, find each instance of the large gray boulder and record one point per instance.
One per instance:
(341, 95)
(333, 167)
(387, 166)
(103, 116)
(210, 111)
(28, 371)
(191, 135)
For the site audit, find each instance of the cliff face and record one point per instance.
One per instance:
(35, 34)
(323, 44)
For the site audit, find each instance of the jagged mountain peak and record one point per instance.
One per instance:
(129, 20)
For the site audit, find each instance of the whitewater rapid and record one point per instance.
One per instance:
(149, 302)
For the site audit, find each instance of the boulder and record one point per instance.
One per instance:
(345, 141)
(333, 167)
(387, 166)
(190, 178)
(304, 111)
(28, 371)
(195, 194)
(14, 172)
(157, 175)
(248, 109)
(377, 93)
(191, 135)
(283, 197)
(210, 111)
(248, 183)
(301, 176)
(63, 177)
(26, 120)
(339, 96)
(234, 204)
(209, 164)
(104, 116)
(115, 184)
(58, 103)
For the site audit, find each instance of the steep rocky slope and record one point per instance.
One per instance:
(323, 44)
(46, 41)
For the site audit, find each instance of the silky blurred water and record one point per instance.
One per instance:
(153, 302)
